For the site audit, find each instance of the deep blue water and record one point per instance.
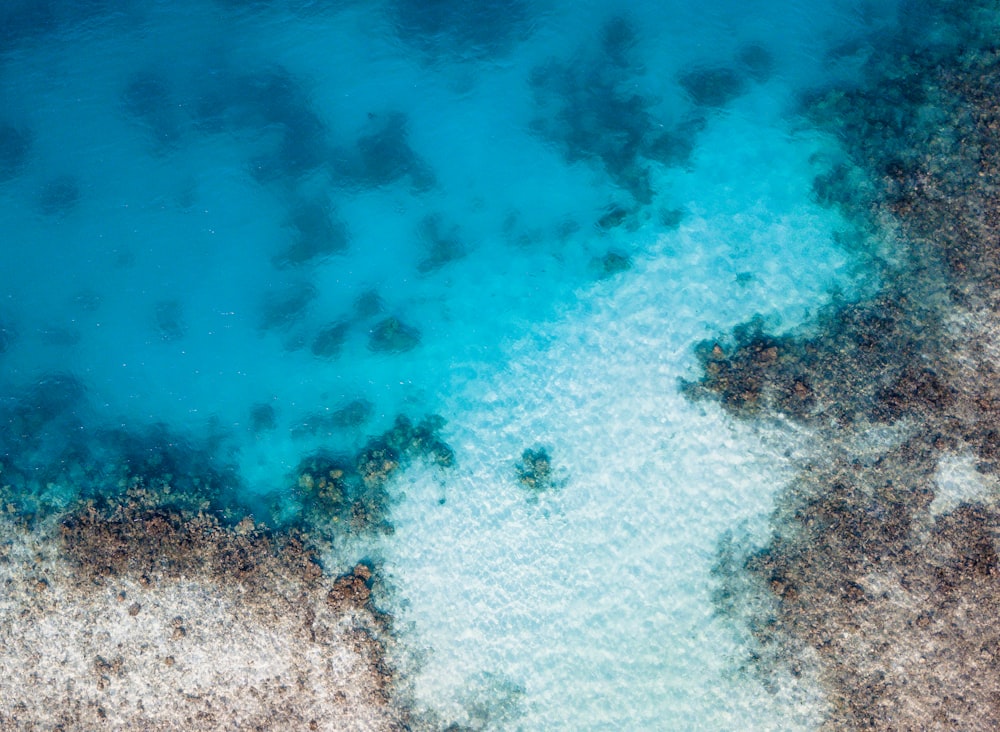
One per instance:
(237, 233)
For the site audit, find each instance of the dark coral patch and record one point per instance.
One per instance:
(757, 61)
(461, 30)
(712, 87)
(385, 156)
(316, 233)
(149, 99)
(8, 334)
(330, 340)
(263, 418)
(590, 108)
(535, 471)
(169, 318)
(353, 492)
(283, 307)
(612, 263)
(393, 336)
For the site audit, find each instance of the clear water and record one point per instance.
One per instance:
(208, 187)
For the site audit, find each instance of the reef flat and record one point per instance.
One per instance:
(882, 568)
(150, 607)
(143, 617)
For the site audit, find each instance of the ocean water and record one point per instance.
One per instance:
(258, 230)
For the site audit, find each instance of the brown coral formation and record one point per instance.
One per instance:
(891, 595)
(134, 615)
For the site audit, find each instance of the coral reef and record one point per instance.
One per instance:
(612, 263)
(149, 100)
(871, 578)
(441, 245)
(263, 418)
(169, 318)
(284, 306)
(8, 335)
(712, 87)
(353, 493)
(391, 335)
(591, 110)
(59, 196)
(272, 103)
(534, 470)
(460, 30)
(383, 156)
(115, 594)
(318, 233)
(110, 614)
(330, 340)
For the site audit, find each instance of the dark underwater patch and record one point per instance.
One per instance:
(59, 196)
(891, 600)
(273, 104)
(8, 335)
(590, 109)
(613, 262)
(368, 304)
(713, 86)
(441, 244)
(15, 144)
(392, 335)
(149, 99)
(317, 233)
(281, 308)
(28, 21)
(384, 156)
(352, 492)
(757, 61)
(330, 340)
(535, 471)
(263, 418)
(169, 318)
(457, 30)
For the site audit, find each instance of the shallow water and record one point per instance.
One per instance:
(272, 228)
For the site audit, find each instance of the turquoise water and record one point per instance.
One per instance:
(244, 232)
